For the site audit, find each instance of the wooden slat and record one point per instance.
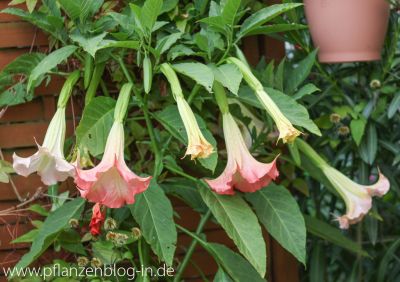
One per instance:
(24, 134)
(31, 111)
(21, 34)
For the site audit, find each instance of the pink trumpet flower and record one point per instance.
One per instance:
(111, 183)
(48, 161)
(242, 171)
(358, 198)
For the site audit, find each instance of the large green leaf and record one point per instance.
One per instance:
(187, 191)
(263, 16)
(241, 225)
(149, 13)
(15, 95)
(153, 212)
(239, 269)
(90, 44)
(229, 11)
(199, 72)
(295, 112)
(53, 224)
(333, 235)
(96, 122)
(229, 76)
(171, 120)
(276, 28)
(80, 9)
(279, 213)
(221, 276)
(50, 62)
(296, 75)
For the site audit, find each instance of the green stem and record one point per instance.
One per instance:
(192, 246)
(220, 96)
(143, 259)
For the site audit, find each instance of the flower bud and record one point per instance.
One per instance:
(96, 263)
(110, 224)
(335, 118)
(73, 223)
(136, 233)
(82, 261)
(375, 84)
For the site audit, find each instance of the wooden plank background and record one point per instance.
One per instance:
(21, 124)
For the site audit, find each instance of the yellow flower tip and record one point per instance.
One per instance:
(289, 134)
(201, 150)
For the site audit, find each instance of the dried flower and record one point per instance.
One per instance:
(73, 223)
(96, 263)
(82, 261)
(335, 118)
(110, 224)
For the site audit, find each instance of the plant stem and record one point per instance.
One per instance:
(143, 260)
(192, 246)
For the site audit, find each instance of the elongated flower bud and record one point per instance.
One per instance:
(287, 132)
(198, 146)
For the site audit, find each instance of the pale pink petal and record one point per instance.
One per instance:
(26, 166)
(224, 183)
(380, 188)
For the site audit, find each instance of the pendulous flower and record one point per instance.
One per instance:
(242, 171)
(49, 161)
(287, 132)
(198, 146)
(358, 198)
(98, 216)
(111, 182)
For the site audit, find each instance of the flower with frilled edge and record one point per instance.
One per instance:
(49, 161)
(242, 171)
(198, 146)
(358, 198)
(287, 132)
(111, 182)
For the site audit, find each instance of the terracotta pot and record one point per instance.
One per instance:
(348, 30)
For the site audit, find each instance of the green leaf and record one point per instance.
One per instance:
(96, 122)
(27, 237)
(187, 191)
(89, 44)
(53, 224)
(15, 95)
(333, 235)
(369, 145)
(239, 269)
(24, 64)
(104, 250)
(229, 76)
(229, 11)
(275, 28)
(279, 213)
(394, 105)
(296, 75)
(307, 89)
(384, 265)
(38, 209)
(80, 9)
(199, 72)
(241, 225)
(129, 44)
(165, 43)
(221, 276)
(357, 128)
(149, 13)
(295, 112)
(31, 4)
(264, 15)
(172, 121)
(153, 212)
(179, 51)
(50, 62)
